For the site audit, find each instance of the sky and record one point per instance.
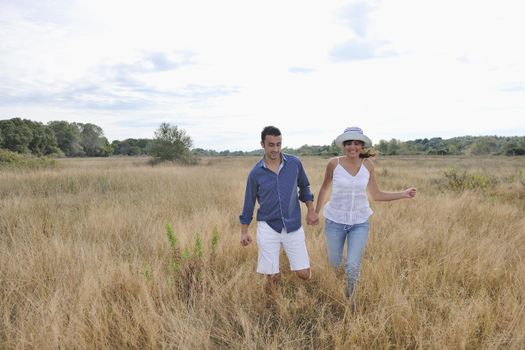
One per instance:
(222, 70)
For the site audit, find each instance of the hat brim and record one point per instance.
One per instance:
(347, 136)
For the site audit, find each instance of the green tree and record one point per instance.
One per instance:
(130, 147)
(171, 143)
(43, 141)
(394, 146)
(68, 137)
(120, 147)
(391, 147)
(407, 148)
(453, 148)
(207, 152)
(514, 147)
(93, 141)
(382, 147)
(26, 136)
(437, 146)
(334, 149)
(16, 135)
(105, 147)
(484, 145)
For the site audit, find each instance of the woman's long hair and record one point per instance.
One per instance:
(367, 153)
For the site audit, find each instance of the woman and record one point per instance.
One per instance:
(347, 212)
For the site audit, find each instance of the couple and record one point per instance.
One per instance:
(273, 182)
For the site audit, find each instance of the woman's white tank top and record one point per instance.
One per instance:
(349, 201)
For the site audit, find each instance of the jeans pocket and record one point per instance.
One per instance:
(332, 228)
(361, 224)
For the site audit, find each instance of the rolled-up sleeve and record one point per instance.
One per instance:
(250, 196)
(305, 194)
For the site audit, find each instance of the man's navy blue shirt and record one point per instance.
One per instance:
(277, 194)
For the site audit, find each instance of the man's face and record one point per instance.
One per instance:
(272, 146)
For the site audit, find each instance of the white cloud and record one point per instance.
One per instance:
(224, 69)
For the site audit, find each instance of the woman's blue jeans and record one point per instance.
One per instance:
(356, 236)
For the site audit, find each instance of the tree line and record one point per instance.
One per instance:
(326, 150)
(62, 138)
(57, 138)
(463, 145)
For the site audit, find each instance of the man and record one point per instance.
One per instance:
(273, 182)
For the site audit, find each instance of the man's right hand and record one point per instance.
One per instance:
(245, 239)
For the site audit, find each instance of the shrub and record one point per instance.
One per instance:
(188, 267)
(171, 144)
(13, 160)
(461, 181)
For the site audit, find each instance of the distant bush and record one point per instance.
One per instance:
(456, 180)
(171, 144)
(9, 159)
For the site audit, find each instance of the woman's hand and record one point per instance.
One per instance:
(410, 192)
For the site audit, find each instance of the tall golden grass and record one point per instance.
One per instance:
(85, 260)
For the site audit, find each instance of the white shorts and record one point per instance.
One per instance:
(269, 242)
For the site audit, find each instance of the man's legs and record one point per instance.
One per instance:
(269, 248)
(295, 247)
(304, 274)
(272, 285)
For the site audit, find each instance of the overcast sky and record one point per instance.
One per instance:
(222, 70)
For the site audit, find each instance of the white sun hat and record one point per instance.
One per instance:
(353, 133)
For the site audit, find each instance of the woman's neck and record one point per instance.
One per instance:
(353, 159)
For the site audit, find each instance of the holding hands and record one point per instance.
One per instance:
(312, 218)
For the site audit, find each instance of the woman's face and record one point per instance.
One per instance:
(353, 147)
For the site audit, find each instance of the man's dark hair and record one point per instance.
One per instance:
(270, 130)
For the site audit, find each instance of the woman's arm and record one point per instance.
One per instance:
(323, 192)
(381, 196)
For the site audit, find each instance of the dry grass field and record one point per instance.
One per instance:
(85, 260)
